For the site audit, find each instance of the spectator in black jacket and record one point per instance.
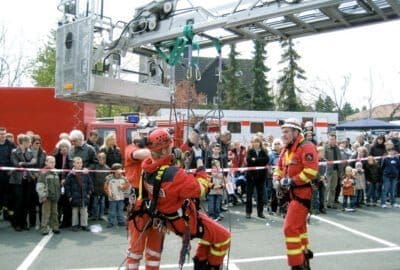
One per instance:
(373, 177)
(6, 148)
(21, 182)
(61, 154)
(99, 195)
(78, 188)
(81, 149)
(93, 140)
(256, 156)
(391, 173)
(378, 148)
(111, 149)
(40, 156)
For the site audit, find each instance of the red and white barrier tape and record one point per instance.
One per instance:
(242, 169)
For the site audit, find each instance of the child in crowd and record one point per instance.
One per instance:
(359, 177)
(48, 189)
(372, 176)
(216, 192)
(99, 178)
(391, 173)
(318, 184)
(115, 186)
(348, 189)
(78, 188)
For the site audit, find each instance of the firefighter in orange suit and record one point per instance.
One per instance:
(170, 189)
(297, 166)
(143, 237)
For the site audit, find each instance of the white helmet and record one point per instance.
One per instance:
(292, 123)
(308, 124)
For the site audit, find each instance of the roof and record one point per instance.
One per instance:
(378, 112)
(367, 124)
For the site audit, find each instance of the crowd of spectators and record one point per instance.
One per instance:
(85, 191)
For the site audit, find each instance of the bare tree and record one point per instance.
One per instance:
(13, 63)
(371, 92)
(339, 94)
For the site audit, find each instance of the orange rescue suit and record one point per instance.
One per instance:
(298, 162)
(142, 237)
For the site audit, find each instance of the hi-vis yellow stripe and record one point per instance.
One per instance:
(278, 172)
(294, 251)
(304, 235)
(203, 186)
(303, 177)
(218, 253)
(293, 239)
(310, 171)
(204, 242)
(305, 173)
(223, 243)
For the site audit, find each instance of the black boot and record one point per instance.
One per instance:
(199, 265)
(308, 255)
(214, 267)
(298, 267)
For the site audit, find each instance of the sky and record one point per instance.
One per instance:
(369, 55)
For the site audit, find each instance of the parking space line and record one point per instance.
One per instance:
(233, 266)
(35, 252)
(319, 254)
(343, 227)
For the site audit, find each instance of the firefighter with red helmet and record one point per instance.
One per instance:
(297, 166)
(169, 189)
(143, 237)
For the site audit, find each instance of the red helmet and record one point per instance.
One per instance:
(158, 139)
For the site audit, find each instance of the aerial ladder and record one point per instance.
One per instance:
(94, 54)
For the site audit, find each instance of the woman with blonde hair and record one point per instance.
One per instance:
(111, 149)
(256, 156)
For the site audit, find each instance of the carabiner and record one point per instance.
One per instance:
(197, 72)
(189, 73)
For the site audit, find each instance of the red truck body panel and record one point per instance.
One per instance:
(35, 109)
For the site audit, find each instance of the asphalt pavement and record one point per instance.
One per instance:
(367, 239)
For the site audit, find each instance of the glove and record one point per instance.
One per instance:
(201, 127)
(275, 184)
(194, 137)
(198, 153)
(177, 153)
(287, 182)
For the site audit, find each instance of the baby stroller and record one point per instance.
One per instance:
(238, 181)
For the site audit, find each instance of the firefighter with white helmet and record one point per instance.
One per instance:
(297, 166)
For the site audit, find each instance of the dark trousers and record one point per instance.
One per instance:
(259, 184)
(4, 190)
(321, 193)
(338, 190)
(64, 212)
(25, 203)
(274, 201)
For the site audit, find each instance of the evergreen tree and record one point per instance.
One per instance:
(44, 67)
(346, 111)
(231, 82)
(324, 104)
(261, 98)
(329, 104)
(287, 98)
(320, 104)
